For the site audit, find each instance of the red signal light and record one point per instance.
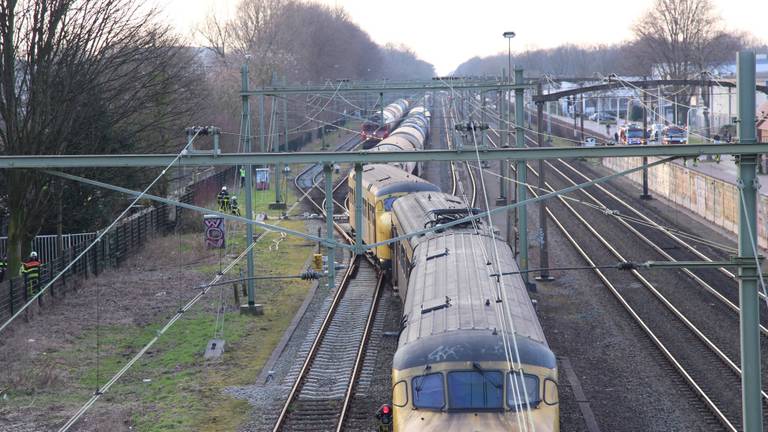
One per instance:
(384, 414)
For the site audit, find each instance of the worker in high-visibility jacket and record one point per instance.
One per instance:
(223, 199)
(235, 209)
(30, 270)
(242, 176)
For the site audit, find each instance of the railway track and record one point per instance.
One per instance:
(323, 385)
(457, 169)
(695, 357)
(309, 182)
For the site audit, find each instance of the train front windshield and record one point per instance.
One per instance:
(475, 390)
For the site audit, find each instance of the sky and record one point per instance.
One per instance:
(449, 33)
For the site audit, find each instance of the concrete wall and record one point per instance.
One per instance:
(710, 198)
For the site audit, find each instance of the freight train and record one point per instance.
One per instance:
(377, 129)
(471, 353)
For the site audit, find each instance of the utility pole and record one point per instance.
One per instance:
(581, 118)
(645, 195)
(251, 308)
(751, 401)
(549, 124)
(522, 214)
(482, 120)
(330, 251)
(544, 275)
(504, 127)
(279, 204)
(573, 108)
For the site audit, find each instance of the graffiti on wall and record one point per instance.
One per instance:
(215, 233)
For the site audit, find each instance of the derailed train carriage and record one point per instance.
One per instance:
(455, 369)
(382, 185)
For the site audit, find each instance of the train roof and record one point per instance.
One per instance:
(382, 179)
(451, 305)
(417, 211)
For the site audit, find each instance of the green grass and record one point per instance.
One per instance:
(172, 388)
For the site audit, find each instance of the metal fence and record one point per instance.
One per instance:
(127, 237)
(46, 245)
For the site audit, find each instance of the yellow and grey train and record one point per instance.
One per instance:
(382, 185)
(471, 355)
(459, 365)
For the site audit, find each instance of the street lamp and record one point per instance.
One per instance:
(509, 35)
(504, 124)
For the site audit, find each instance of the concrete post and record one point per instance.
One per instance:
(330, 251)
(544, 250)
(504, 127)
(752, 408)
(522, 179)
(549, 124)
(251, 307)
(645, 195)
(482, 119)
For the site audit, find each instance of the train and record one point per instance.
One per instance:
(471, 353)
(377, 129)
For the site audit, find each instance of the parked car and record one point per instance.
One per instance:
(589, 141)
(674, 135)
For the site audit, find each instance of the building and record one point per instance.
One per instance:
(762, 123)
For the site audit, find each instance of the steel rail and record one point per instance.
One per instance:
(360, 353)
(315, 346)
(709, 288)
(639, 214)
(699, 334)
(654, 338)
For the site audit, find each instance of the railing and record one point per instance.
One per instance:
(127, 237)
(46, 245)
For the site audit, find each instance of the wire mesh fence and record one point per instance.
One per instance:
(126, 238)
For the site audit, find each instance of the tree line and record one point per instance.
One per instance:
(673, 39)
(108, 77)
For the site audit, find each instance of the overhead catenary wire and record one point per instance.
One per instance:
(99, 237)
(618, 214)
(79, 413)
(505, 321)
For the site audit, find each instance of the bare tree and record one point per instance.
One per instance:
(79, 76)
(680, 39)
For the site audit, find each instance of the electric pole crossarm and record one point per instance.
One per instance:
(232, 159)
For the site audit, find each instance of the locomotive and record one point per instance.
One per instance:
(377, 129)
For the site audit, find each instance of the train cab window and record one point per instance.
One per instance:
(388, 203)
(428, 391)
(476, 389)
(515, 393)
